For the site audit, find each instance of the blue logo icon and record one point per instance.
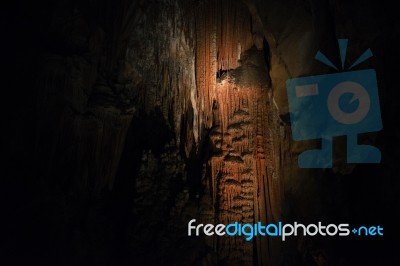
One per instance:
(325, 106)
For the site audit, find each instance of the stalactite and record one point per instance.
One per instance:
(171, 83)
(244, 183)
(247, 171)
(243, 169)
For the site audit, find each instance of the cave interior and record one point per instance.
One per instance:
(126, 119)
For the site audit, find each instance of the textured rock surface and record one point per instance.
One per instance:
(130, 118)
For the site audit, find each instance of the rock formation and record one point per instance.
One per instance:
(130, 118)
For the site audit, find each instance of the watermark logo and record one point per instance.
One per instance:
(338, 104)
(281, 230)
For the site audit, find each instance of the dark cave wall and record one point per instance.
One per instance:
(357, 194)
(69, 132)
(114, 130)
